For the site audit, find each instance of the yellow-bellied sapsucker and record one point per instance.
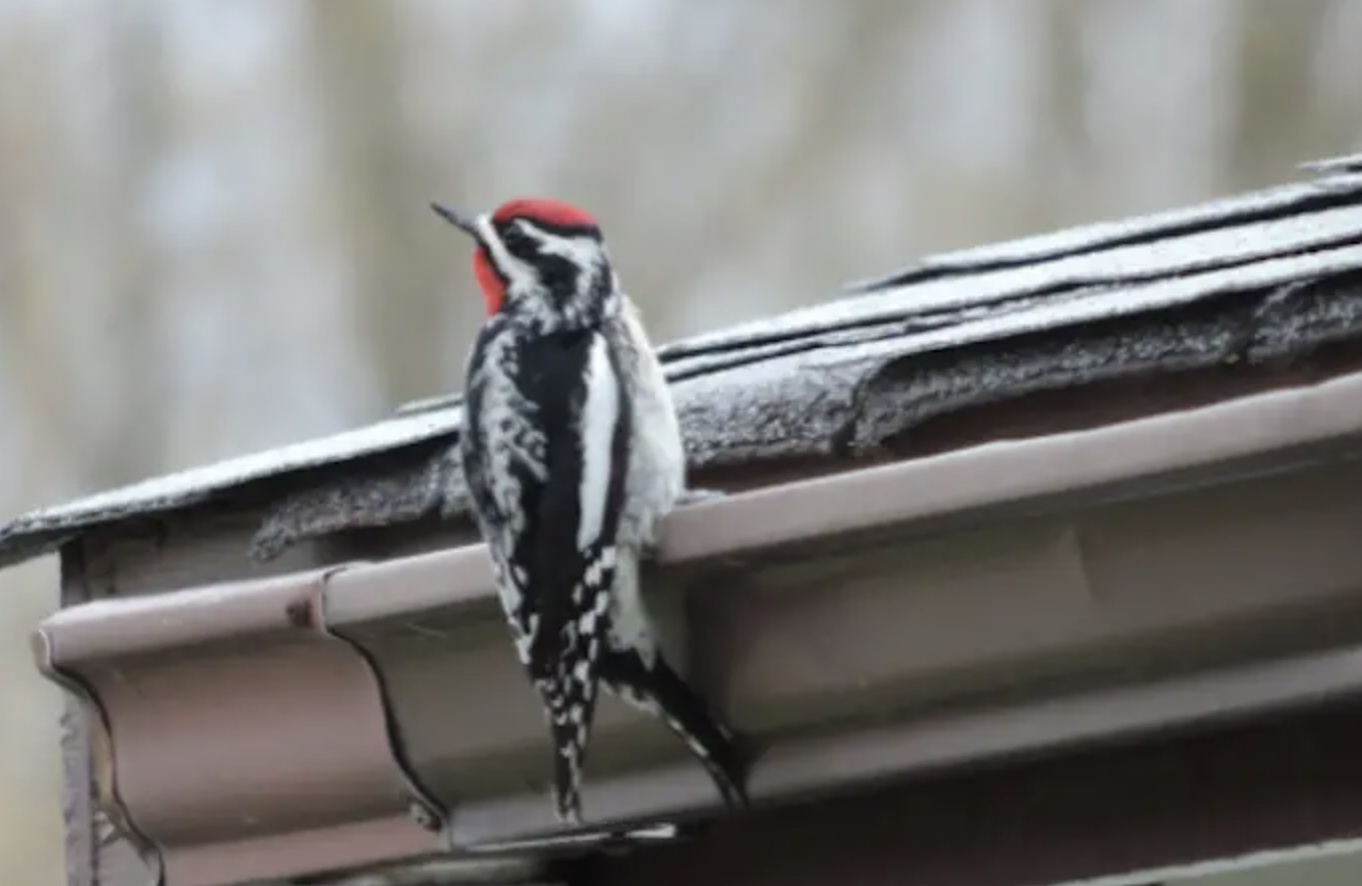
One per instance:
(573, 453)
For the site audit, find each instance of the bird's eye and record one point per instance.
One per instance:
(515, 238)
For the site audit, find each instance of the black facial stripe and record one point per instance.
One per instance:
(518, 243)
(557, 273)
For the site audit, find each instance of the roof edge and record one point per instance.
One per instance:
(473, 737)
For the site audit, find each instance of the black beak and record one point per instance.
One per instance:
(457, 219)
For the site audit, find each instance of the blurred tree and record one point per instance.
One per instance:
(32, 364)
(131, 437)
(378, 195)
(1279, 110)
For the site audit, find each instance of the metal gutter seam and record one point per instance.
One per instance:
(245, 739)
(423, 807)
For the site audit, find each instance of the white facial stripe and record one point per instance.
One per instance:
(581, 251)
(520, 276)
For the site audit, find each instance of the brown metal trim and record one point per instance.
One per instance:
(1066, 573)
(1134, 813)
(1236, 438)
(858, 760)
(102, 846)
(257, 747)
(455, 581)
(939, 631)
(106, 809)
(524, 871)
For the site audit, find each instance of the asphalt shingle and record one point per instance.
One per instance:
(1229, 282)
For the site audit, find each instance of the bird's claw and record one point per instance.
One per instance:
(696, 495)
(648, 553)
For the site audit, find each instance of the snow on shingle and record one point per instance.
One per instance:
(1173, 290)
(1110, 303)
(199, 484)
(1336, 167)
(1121, 265)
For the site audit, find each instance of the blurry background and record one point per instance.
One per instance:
(213, 223)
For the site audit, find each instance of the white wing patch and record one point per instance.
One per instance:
(600, 412)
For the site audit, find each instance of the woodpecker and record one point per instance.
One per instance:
(573, 453)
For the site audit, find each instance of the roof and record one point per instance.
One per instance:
(1186, 576)
(1230, 282)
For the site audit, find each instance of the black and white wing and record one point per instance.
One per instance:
(545, 453)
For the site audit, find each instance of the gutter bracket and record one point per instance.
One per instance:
(423, 805)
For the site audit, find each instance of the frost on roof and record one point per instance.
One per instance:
(1225, 247)
(46, 527)
(1213, 283)
(848, 400)
(1240, 210)
(1331, 165)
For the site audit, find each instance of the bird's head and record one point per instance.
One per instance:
(537, 252)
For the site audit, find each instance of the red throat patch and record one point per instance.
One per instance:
(493, 290)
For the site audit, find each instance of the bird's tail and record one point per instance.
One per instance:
(567, 773)
(571, 707)
(658, 688)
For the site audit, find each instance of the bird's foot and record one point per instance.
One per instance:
(568, 814)
(648, 553)
(696, 495)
